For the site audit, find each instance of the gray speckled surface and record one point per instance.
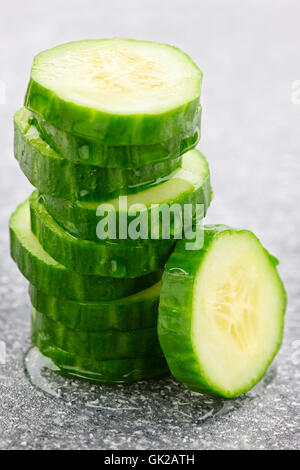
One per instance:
(250, 134)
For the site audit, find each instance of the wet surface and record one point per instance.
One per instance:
(158, 398)
(250, 135)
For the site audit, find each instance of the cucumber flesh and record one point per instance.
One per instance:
(110, 371)
(51, 277)
(116, 91)
(87, 152)
(221, 312)
(135, 312)
(102, 258)
(98, 346)
(190, 184)
(58, 177)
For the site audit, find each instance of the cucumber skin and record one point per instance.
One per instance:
(87, 152)
(113, 129)
(102, 258)
(56, 279)
(118, 315)
(175, 312)
(82, 222)
(110, 372)
(58, 177)
(107, 345)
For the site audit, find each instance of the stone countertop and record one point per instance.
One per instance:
(250, 135)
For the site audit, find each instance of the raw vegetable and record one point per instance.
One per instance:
(117, 91)
(99, 346)
(110, 371)
(58, 177)
(188, 185)
(135, 312)
(55, 279)
(102, 258)
(87, 152)
(221, 312)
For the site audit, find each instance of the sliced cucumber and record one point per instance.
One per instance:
(136, 312)
(110, 371)
(87, 152)
(102, 258)
(221, 312)
(58, 177)
(100, 346)
(55, 279)
(117, 91)
(188, 185)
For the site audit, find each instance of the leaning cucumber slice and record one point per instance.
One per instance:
(110, 371)
(87, 152)
(221, 312)
(190, 184)
(55, 279)
(58, 177)
(100, 346)
(135, 312)
(102, 258)
(117, 91)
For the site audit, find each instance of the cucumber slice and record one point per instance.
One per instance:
(221, 312)
(87, 152)
(58, 177)
(102, 258)
(97, 346)
(110, 371)
(116, 91)
(55, 279)
(188, 185)
(136, 312)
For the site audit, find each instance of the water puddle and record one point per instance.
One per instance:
(153, 397)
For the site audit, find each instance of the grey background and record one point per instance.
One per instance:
(249, 53)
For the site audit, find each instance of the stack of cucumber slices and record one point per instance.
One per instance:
(107, 135)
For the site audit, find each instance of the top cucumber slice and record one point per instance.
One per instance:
(221, 312)
(117, 91)
(86, 152)
(58, 177)
(53, 278)
(190, 184)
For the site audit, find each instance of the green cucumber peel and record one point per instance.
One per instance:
(115, 371)
(221, 312)
(132, 104)
(188, 186)
(86, 152)
(102, 258)
(100, 346)
(51, 277)
(135, 312)
(58, 177)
